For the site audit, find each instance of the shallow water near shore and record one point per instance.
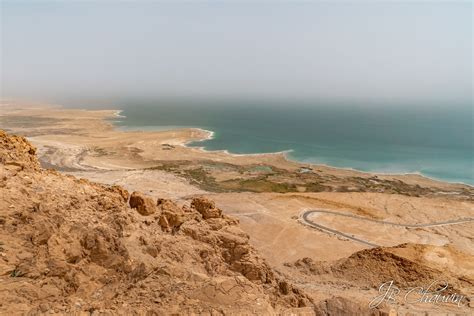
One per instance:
(434, 141)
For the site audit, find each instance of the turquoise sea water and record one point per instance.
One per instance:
(436, 141)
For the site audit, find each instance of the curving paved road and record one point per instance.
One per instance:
(306, 221)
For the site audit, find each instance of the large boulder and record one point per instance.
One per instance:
(206, 207)
(172, 216)
(143, 204)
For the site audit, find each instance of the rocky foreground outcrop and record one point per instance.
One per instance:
(70, 246)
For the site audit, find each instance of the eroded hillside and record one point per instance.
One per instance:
(70, 245)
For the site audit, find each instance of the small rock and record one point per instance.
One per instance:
(44, 307)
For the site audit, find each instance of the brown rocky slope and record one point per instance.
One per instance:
(70, 246)
(408, 266)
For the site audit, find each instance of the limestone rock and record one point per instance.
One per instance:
(17, 151)
(206, 207)
(172, 216)
(120, 190)
(143, 204)
(71, 246)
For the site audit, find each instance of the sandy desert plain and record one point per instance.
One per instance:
(269, 194)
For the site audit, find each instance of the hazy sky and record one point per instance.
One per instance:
(379, 50)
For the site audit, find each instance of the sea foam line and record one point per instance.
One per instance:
(118, 113)
(211, 134)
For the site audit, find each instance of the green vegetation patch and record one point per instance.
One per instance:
(260, 184)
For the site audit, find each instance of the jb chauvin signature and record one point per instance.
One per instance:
(435, 293)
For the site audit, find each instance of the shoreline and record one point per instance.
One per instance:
(61, 132)
(210, 135)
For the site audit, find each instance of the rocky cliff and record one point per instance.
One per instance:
(69, 246)
(72, 246)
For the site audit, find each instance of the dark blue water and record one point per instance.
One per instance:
(436, 141)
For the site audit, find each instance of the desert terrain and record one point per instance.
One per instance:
(375, 228)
